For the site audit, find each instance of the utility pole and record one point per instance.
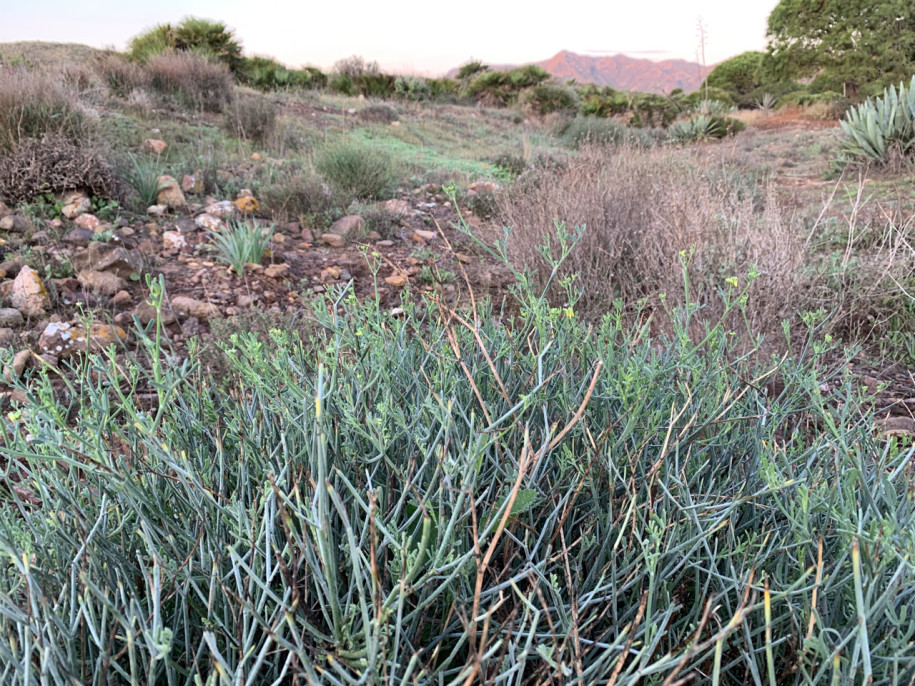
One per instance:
(703, 35)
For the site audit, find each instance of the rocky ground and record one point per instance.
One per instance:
(79, 283)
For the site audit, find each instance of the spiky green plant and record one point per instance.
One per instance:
(142, 176)
(443, 499)
(875, 130)
(699, 127)
(241, 243)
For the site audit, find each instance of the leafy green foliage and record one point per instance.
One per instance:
(241, 243)
(861, 44)
(210, 39)
(876, 130)
(550, 97)
(362, 170)
(411, 87)
(378, 506)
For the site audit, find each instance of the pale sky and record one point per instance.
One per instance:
(424, 36)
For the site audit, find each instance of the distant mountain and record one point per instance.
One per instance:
(622, 72)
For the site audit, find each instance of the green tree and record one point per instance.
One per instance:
(739, 75)
(862, 43)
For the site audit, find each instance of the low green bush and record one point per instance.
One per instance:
(364, 171)
(424, 499)
(550, 97)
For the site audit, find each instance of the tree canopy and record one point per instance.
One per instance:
(863, 44)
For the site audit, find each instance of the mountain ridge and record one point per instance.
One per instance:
(621, 72)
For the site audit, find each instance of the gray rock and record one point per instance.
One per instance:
(105, 257)
(10, 318)
(79, 236)
(106, 283)
(7, 338)
(346, 225)
(15, 223)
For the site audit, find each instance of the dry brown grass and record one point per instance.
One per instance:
(647, 212)
(191, 80)
(642, 210)
(34, 103)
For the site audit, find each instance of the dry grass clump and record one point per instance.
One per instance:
(306, 198)
(53, 165)
(122, 76)
(191, 80)
(251, 118)
(643, 210)
(34, 103)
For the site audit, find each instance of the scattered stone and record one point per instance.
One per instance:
(396, 206)
(425, 235)
(20, 362)
(154, 145)
(146, 313)
(221, 209)
(192, 184)
(385, 244)
(105, 257)
(157, 210)
(244, 300)
(79, 236)
(246, 204)
(4, 210)
(897, 426)
(397, 280)
(173, 240)
(87, 221)
(256, 156)
(65, 340)
(333, 240)
(7, 337)
(346, 225)
(189, 307)
(39, 238)
(75, 203)
(277, 271)
(329, 274)
(185, 225)
(170, 193)
(10, 318)
(15, 223)
(121, 299)
(396, 312)
(465, 259)
(29, 295)
(244, 193)
(307, 236)
(105, 283)
(483, 187)
(278, 238)
(209, 223)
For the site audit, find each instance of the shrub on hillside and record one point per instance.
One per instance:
(305, 198)
(642, 207)
(595, 130)
(549, 97)
(191, 80)
(209, 39)
(33, 104)
(120, 75)
(411, 87)
(358, 169)
(53, 164)
(251, 118)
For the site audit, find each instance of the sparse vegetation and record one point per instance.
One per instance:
(361, 170)
(656, 431)
(241, 243)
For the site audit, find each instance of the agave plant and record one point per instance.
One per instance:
(873, 130)
(700, 127)
(713, 107)
(767, 104)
